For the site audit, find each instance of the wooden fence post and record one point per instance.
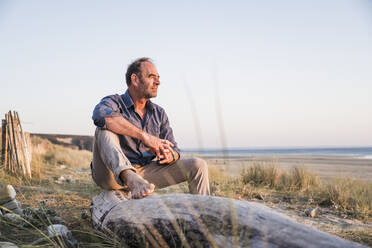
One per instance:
(29, 145)
(20, 146)
(4, 143)
(22, 140)
(11, 147)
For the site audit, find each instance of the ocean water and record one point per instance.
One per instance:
(357, 152)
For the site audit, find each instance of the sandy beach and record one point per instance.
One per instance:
(323, 166)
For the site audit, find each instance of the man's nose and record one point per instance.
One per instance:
(157, 81)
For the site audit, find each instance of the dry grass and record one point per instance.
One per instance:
(67, 199)
(297, 179)
(345, 194)
(351, 195)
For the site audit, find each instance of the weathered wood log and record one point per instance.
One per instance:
(182, 220)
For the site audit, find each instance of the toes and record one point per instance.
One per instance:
(151, 187)
(146, 190)
(136, 195)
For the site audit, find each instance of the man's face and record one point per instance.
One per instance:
(148, 80)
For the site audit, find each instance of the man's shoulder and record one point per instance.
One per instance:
(112, 97)
(158, 108)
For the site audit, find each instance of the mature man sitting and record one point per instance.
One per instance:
(134, 144)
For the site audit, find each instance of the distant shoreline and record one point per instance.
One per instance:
(254, 157)
(357, 152)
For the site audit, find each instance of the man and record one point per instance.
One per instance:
(134, 145)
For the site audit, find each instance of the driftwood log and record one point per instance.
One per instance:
(182, 220)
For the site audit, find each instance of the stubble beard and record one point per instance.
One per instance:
(146, 92)
(149, 95)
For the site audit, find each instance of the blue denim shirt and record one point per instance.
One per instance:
(155, 123)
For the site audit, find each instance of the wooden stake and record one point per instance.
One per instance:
(20, 146)
(4, 144)
(11, 147)
(24, 148)
(29, 145)
(15, 145)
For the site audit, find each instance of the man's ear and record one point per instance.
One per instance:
(134, 79)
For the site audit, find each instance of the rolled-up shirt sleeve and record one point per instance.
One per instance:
(106, 108)
(166, 132)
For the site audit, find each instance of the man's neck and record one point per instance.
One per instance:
(139, 102)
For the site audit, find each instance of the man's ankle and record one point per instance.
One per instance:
(125, 175)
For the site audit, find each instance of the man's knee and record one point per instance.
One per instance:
(105, 136)
(198, 178)
(199, 165)
(104, 133)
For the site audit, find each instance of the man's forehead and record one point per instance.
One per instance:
(149, 68)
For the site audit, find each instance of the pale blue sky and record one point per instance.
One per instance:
(288, 73)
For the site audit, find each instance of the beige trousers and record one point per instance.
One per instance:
(109, 161)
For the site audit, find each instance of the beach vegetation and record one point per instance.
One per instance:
(297, 179)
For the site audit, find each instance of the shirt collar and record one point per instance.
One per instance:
(129, 102)
(127, 99)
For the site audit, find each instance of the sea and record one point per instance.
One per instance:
(235, 153)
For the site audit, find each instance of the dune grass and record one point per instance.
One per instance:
(297, 179)
(347, 196)
(351, 195)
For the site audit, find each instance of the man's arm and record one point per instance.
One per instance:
(120, 125)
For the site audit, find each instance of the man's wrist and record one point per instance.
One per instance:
(142, 135)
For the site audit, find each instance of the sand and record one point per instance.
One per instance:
(323, 166)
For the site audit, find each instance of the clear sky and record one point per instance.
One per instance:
(233, 73)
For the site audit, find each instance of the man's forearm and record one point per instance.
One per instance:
(120, 125)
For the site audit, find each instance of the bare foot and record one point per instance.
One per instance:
(138, 186)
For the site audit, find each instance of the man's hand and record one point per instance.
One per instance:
(170, 157)
(160, 147)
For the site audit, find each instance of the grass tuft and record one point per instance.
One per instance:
(297, 179)
(352, 195)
